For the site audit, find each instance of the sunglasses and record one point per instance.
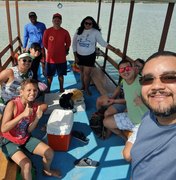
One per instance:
(127, 68)
(166, 79)
(87, 23)
(27, 60)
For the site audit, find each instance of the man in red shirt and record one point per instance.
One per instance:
(57, 42)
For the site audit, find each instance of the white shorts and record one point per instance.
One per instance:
(124, 123)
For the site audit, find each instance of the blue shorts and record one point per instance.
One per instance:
(52, 69)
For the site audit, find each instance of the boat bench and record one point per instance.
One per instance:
(8, 169)
(103, 84)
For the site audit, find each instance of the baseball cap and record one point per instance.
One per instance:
(24, 55)
(57, 15)
(32, 14)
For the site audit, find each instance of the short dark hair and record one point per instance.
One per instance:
(31, 14)
(123, 62)
(161, 53)
(36, 46)
(140, 60)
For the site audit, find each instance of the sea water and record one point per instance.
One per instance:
(146, 29)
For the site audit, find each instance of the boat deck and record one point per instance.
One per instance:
(107, 152)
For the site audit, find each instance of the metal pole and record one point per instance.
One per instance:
(9, 25)
(18, 22)
(99, 10)
(128, 28)
(109, 30)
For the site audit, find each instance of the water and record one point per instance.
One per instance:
(145, 32)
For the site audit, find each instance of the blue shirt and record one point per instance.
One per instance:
(154, 152)
(33, 33)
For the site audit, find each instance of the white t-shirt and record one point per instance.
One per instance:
(85, 43)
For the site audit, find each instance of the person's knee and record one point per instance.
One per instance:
(25, 164)
(49, 154)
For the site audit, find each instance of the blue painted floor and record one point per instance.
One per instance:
(107, 152)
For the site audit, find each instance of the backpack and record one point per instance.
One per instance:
(96, 124)
(66, 102)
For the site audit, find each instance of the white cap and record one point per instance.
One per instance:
(24, 55)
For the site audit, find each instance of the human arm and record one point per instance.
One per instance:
(40, 110)
(6, 76)
(112, 48)
(8, 120)
(25, 38)
(45, 39)
(74, 47)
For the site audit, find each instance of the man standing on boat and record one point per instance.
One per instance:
(33, 33)
(153, 153)
(57, 41)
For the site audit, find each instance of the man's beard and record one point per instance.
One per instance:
(161, 112)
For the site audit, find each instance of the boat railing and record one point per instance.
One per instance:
(15, 44)
(9, 53)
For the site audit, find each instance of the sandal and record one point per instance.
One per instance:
(80, 136)
(86, 162)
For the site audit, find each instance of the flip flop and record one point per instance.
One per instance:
(80, 136)
(86, 163)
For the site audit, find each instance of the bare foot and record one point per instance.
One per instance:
(55, 173)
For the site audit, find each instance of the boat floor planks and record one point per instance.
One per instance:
(107, 152)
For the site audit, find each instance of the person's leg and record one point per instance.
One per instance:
(14, 152)
(114, 109)
(110, 111)
(49, 81)
(47, 155)
(25, 164)
(82, 77)
(87, 75)
(50, 70)
(110, 123)
(61, 83)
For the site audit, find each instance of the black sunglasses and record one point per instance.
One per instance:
(27, 60)
(165, 78)
(87, 23)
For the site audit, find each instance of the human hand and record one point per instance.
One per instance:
(39, 112)
(110, 101)
(138, 100)
(27, 111)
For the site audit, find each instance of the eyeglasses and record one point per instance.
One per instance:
(87, 23)
(127, 68)
(165, 78)
(27, 60)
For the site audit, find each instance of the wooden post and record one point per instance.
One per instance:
(9, 26)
